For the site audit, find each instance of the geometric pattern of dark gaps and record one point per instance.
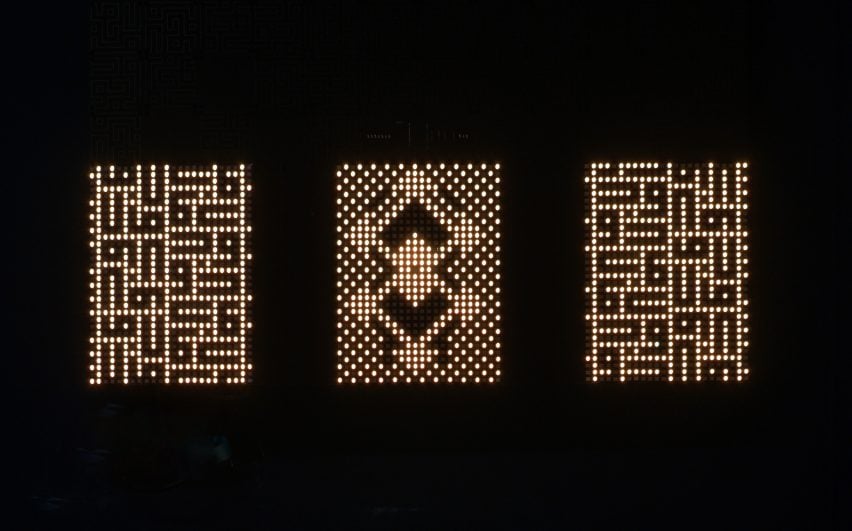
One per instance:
(414, 219)
(415, 319)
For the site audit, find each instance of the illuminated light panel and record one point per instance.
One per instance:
(666, 272)
(169, 284)
(418, 273)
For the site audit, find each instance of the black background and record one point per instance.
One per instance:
(294, 89)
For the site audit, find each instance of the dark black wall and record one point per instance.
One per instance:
(294, 88)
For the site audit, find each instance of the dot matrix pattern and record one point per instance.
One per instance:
(666, 272)
(170, 287)
(418, 273)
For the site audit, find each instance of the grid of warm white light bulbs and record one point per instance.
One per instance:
(170, 293)
(666, 271)
(418, 295)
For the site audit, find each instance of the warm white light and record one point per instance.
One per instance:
(666, 272)
(170, 291)
(418, 274)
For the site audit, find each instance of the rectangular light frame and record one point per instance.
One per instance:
(170, 279)
(666, 272)
(418, 273)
